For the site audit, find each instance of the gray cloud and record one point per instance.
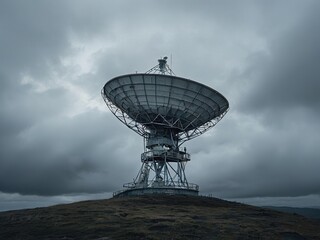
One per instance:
(269, 145)
(57, 137)
(288, 76)
(65, 155)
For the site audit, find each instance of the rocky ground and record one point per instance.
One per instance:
(155, 217)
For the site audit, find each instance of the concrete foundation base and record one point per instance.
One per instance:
(144, 191)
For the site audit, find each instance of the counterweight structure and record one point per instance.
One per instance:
(166, 111)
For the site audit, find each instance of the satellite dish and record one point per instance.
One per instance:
(167, 111)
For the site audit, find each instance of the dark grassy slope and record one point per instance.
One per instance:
(155, 217)
(307, 212)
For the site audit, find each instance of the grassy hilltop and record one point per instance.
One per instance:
(155, 217)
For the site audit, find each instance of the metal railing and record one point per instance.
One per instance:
(181, 156)
(175, 184)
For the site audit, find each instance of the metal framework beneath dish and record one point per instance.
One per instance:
(166, 111)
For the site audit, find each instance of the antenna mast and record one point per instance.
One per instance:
(161, 68)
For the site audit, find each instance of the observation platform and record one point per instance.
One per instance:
(133, 189)
(168, 156)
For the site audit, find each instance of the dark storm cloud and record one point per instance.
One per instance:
(64, 155)
(57, 137)
(289, 76)
(44, 148)
(268, 139)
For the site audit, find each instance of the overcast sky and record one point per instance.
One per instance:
(60, 143)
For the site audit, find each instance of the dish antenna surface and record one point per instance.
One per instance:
(166, 111)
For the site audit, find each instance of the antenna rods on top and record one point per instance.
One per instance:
(162, 67)
(162, 64)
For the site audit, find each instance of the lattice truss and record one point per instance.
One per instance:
(163, 172)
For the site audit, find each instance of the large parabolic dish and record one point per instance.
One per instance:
(155, 101)
(167, 111)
